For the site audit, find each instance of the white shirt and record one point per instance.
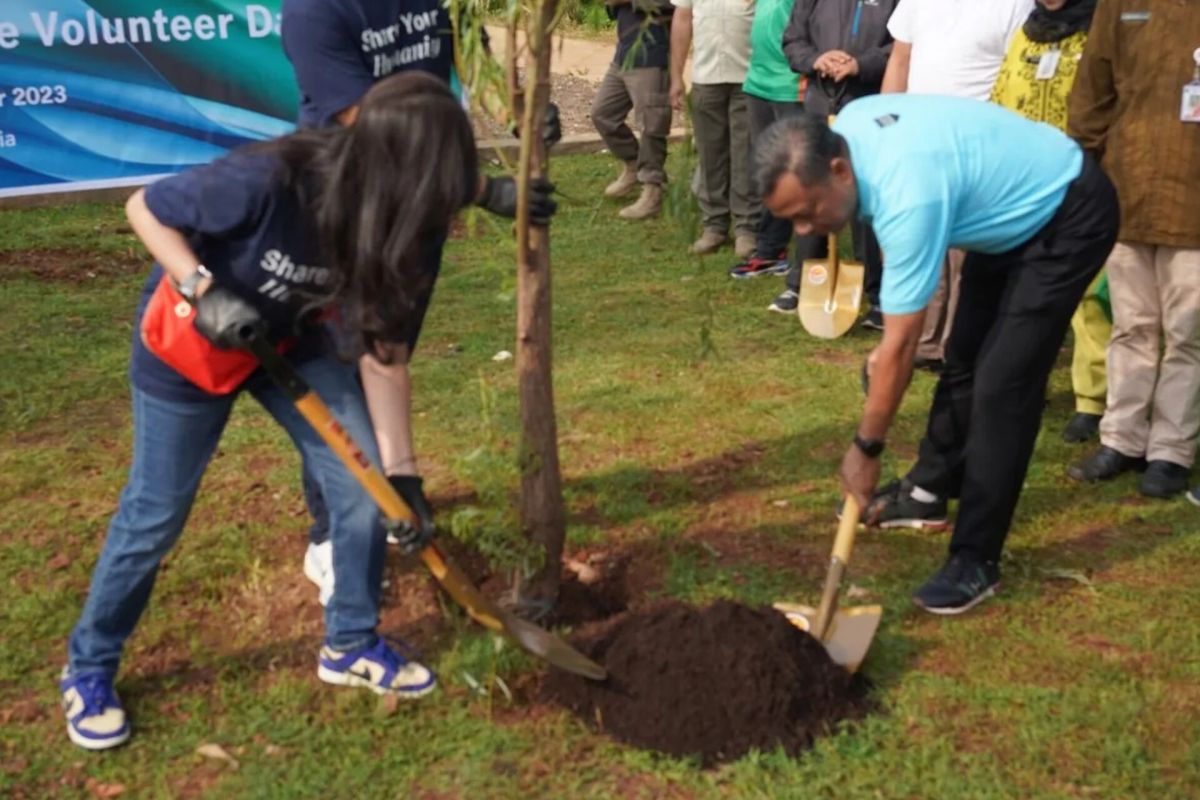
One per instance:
(720, 39)
(957, 45)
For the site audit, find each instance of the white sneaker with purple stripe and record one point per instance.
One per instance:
(95, 718)
(378, 668)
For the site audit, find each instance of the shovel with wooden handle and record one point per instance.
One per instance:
(846, 633)
(830, 290)
(535, 640)
(830, 294)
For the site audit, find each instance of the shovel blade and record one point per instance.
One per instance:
(539, 642)
(830, 297)
(551, 648)
(850, 633)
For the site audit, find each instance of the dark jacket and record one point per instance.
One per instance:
(818, 26)
(643, 33)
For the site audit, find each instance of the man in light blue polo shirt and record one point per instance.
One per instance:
(1037, 219)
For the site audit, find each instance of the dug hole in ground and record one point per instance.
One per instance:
(713, 682)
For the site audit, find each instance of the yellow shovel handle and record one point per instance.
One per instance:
(843, 543)
(393, 506)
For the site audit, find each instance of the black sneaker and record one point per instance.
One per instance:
(893, 506)
(785, 303)
(962, 583)
(1082, 428)
(1104, 465)
(1194, 496)
(1163, 479)
(874, 319)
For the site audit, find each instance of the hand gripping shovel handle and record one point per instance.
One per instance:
(447, 573)
(843, 544)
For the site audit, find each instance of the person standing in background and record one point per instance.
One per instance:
(950, 47)
(720, 120)
(773, 91)
(1136, 105)
(841, 47)
(637, 79)
(1035, 80)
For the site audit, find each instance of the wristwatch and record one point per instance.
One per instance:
(187, 287)
(871, 448)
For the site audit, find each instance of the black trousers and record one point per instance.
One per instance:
(1013, 312)
(774, 234)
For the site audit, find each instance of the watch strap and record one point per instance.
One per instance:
(872, 448)
(187, 287)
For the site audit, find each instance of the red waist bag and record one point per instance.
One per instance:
(169, 333)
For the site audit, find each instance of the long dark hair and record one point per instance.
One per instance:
(379, 190)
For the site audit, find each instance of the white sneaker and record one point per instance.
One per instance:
(95, 718)
(318, 568)
(378, 668)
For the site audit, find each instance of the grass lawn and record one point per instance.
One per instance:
(699, 436)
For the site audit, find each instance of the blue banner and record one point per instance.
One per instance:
(117, 92)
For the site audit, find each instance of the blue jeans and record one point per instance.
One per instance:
(172, 445)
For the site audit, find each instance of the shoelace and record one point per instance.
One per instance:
(96, 693)
(395, 652)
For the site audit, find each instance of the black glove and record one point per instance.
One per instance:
(415, 535)
(500, 198)
(227, 320)
(551, 127)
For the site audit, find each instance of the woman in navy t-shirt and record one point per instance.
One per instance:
(329, 218)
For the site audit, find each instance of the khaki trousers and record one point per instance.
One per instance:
(644, 90)
(1154, 355)
(721, 125)
(939, 314)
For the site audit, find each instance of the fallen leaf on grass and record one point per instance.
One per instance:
(60, 561)
(104, 790)
(856, 592)
(388, 705)
(217, 752)
(1071, 575)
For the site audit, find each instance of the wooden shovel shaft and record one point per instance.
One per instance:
(393, 506)
(843, 544)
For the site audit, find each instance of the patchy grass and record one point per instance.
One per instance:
(699, 437)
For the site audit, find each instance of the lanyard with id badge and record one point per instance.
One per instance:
(1189, 105)
(1047, 66)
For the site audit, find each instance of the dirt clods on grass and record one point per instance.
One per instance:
(713, 683)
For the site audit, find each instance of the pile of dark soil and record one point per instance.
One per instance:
(713, 682)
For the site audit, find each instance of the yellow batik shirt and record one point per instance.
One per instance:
(1018, 88)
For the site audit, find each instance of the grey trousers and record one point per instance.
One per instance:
(721, 123)
(644, 90)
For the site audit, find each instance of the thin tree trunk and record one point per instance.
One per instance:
(542, 515)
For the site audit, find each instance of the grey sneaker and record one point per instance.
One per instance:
(785, 303)
(894, 507)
